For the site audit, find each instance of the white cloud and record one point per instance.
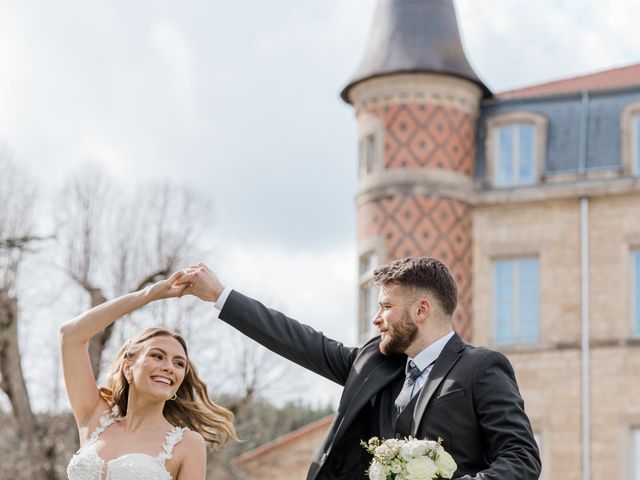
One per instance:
(316, 287)
(512, 44)
(178, 56)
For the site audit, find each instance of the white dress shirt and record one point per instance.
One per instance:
(223, 298)
(425, 360)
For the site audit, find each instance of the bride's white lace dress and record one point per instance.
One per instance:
(86, 464)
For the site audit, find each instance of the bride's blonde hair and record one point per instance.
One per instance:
(192, 408)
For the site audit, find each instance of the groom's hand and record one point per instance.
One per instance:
(201, 282)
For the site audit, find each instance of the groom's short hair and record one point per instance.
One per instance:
(421, 273)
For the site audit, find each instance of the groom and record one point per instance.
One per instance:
(417, 378)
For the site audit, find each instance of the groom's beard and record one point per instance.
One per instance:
(399, 335)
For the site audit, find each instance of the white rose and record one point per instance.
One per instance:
(431, 445)
(446, 464)
(421, 468)
(412, 449)
(377, 471)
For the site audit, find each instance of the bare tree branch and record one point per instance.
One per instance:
(252, 369)
(17, 195)
(115, 242)
(22, 243)
(153, 278)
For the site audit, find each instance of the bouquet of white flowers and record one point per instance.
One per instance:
(408, 459)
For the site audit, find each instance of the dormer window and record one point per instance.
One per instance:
(630, 123)
(516, 148)
(515, 155)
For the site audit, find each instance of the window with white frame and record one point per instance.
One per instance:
(635, 453)
(517, 298)
(516, 148)
(368, 154)
(515, 155)
(635, 283)
(368, 295)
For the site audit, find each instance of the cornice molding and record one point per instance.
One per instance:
(558, 191)
(433, 182)
(448, 184)
(419, 88)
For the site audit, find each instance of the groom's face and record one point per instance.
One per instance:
(393, 319)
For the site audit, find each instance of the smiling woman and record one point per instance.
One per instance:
(154, 417)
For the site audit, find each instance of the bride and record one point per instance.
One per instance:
(154, 418)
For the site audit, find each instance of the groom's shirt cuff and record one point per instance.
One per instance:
(223, 298)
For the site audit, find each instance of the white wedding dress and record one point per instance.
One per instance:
(86, 464)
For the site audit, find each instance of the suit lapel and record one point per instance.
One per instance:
(362, 392)
(448, 358)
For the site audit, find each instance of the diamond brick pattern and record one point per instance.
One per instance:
(435, 136)
(415, 225)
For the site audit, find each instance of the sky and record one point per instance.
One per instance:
(240, 101)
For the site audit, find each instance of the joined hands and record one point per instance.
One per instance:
(199, 281)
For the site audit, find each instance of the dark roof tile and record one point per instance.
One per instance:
(414, 36)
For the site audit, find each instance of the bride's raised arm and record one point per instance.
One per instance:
(75, 334)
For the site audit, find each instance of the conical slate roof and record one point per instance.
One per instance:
(414, 36)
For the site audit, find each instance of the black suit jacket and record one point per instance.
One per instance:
(471, 399)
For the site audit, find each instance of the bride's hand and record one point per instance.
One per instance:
(167, 288)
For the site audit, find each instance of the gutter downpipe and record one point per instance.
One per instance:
(584, 260)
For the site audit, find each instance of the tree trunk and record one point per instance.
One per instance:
(13, 384)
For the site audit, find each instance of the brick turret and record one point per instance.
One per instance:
(416, 100)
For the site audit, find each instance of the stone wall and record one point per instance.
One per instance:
(286, 458)
(550, 372)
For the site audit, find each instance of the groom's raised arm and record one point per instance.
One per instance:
(274, 330)
(287, 337)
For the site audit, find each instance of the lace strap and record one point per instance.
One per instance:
(107, 418)
(172, 438)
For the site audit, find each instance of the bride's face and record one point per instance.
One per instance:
(159, 367)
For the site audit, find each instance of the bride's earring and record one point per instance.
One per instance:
(175, 395)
